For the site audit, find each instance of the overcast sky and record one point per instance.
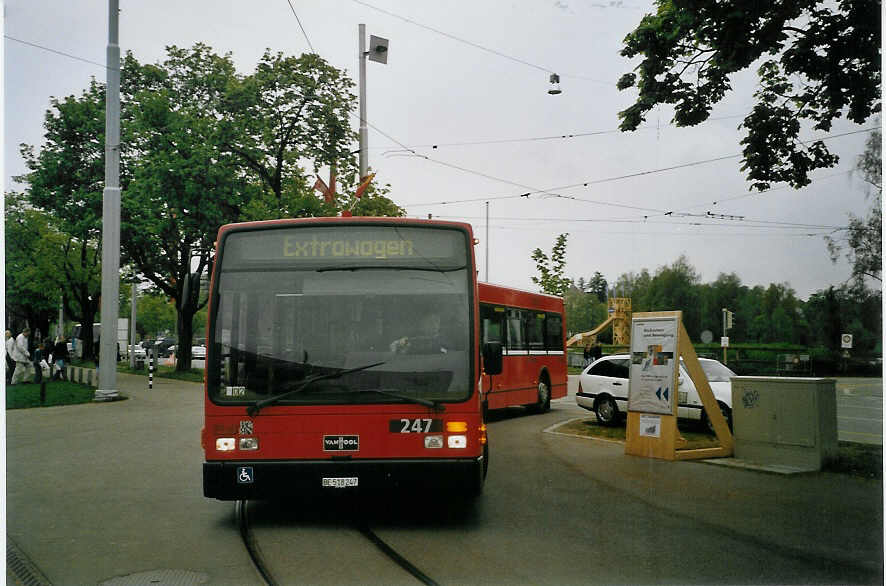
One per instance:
(472, 78)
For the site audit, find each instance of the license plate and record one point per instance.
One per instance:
(339, 482)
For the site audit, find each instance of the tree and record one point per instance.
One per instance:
(66, 180)
(184, 183)
(156, 314)
(551, 279)
(599, 287)
(675, 287)
(34, 251)
(290, 111)
(820, 61)
(865, 235)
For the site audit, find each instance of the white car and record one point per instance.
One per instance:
(603, 389)
(198, 352)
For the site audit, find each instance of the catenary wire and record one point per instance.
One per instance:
(69, 55)
(301, 27)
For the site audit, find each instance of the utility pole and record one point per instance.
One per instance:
(364, 146)
(487, 241)
(378, 52)
(107, 377)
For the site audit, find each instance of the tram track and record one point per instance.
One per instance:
(241, 512)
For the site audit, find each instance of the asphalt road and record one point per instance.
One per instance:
(111, 493)
(548, 516)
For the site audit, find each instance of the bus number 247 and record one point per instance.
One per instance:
(418, 425)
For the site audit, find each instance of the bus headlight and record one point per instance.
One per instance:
(225, 444)
(457, 441)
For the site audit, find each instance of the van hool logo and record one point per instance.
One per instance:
(341, 443)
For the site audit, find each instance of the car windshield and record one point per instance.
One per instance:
(716, 372)
(275, 327)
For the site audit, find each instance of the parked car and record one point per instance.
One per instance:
(197, 352)
(603, 389)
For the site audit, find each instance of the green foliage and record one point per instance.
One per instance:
(584, 310)
(551, 279)
(155, 314)
(821, 61)
(772, 315)
(865, 235)
(34, 251)
(66, 180)
(289, 111)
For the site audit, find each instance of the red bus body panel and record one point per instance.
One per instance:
(522, 369)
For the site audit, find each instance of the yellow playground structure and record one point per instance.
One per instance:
(619, 319)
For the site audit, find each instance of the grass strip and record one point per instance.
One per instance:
(27, 395)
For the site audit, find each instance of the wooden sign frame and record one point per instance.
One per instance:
(665, 442)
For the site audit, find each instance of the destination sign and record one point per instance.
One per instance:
(350, 245)
(324, 248)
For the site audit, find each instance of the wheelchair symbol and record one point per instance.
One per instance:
(244, 475)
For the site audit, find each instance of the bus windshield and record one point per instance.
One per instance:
(401, 310)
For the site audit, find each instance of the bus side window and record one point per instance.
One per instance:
(554, 332)
(534, 327)
(491, 323)
(516, 339)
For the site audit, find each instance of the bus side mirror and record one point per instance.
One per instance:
(492, 357)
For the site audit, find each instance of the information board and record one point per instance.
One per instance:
(653, 361)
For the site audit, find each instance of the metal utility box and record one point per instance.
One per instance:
(785, 421)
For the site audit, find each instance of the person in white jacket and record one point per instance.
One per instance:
(10, 363)
(24, 368)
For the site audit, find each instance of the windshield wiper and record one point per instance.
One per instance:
(435, 405)
(253, 410)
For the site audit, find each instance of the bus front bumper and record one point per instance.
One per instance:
(243, 480)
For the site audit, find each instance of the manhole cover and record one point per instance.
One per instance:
(165, 577)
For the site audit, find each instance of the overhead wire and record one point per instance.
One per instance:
(536, 138)
(301, 27)
(57, 52)
(476, 45)
(550, 191)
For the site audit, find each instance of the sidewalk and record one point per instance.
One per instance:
(103, 490)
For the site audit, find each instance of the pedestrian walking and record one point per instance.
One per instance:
(587, 354)
(22, 356)
(10, 362)
(596, 352)
(60, 358)
(39, 361)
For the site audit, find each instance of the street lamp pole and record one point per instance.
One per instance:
(107, 378)
(363, 132)
(378, 52)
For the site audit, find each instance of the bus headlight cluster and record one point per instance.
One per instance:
(229, 444)
(457, 441)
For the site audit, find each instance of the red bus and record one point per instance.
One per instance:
(531, 330)
(344, 354)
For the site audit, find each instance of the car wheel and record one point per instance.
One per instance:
(544, 397)
(606, 411)
(727, 415)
